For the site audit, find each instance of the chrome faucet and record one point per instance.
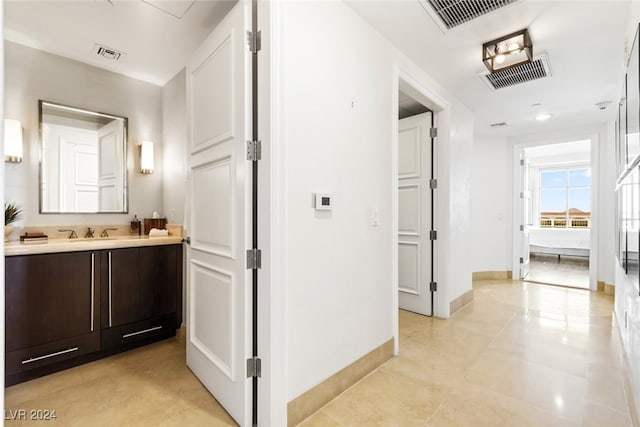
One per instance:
(104, 232)
(89, 234)
(73, 234)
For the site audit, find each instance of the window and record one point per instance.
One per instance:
(565, 198)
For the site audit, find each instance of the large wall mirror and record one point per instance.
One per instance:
(83, 165)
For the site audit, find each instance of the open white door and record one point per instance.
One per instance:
(414, 214)
(525, 206)
(218, 283)
(110, 175)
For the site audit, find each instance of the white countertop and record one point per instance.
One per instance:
(80, 244)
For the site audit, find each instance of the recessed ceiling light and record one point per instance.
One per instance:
(543, 117)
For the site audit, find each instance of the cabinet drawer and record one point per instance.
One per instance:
(138, 333)
(51, 353)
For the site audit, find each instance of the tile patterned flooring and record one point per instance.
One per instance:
(148, 386)
(569, 271)
(519, 355)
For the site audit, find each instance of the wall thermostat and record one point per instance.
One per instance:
(322, 201)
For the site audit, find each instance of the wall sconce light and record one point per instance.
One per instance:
(146, 157)
(508, 51)
(12, 141)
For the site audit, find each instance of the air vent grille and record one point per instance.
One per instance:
(499, 125)
(455, 12)
(107, 52)
(536, 69)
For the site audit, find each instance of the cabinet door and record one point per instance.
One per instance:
(49, 298)
(163, 273)
(126, 296)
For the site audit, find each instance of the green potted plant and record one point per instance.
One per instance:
(12, 213)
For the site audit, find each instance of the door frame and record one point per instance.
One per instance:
(518, 150)
(403, 80)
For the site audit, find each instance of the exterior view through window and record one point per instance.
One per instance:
(565, 198)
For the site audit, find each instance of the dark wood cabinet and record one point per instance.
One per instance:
(126, 296)
(140, 294)
(52, 306)
(63, 309)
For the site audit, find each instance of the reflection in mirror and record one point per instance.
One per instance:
(82, 161)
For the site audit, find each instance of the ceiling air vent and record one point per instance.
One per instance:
(499, 125)
(451, 13)
(107, 52)
(536, 69)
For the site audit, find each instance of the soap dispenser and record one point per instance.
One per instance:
(136, 226)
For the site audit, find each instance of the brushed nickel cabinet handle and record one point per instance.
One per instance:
(110, 299)
(46, 356)
(144, 331)
(93, 286)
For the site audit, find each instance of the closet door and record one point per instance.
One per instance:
(414, 214)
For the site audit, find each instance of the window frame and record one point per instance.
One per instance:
(567, 167)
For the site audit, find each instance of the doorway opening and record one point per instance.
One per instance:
(556, 205)
(416, 205)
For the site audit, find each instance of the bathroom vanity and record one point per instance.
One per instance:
(72, 301)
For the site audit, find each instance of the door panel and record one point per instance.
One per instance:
(409, 267)
(409, 210)
(110, 176)
(218, 283)
(214, 179)
(414, 213)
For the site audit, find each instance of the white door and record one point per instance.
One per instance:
(78, 177)
(414, 214)
(110, 173)
(218, 283)
(525, 216)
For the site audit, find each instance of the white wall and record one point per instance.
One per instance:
(31, 75)
(174, 147)
(490, 204)
(334, 118)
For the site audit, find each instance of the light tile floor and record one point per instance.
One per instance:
(519, 355)
(149, 386)
(568, 271)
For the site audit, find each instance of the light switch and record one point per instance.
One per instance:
(375, 217)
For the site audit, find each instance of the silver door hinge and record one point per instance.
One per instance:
(522, 228)
(255, 41)
(433, 184)
(254, 259)
(521, 260)
(433, 235)
(254, 150)
(433, 132)
(433, 286)
(254, 367)
(521, 162)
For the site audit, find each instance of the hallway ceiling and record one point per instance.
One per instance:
(156, 36)
(584, 41)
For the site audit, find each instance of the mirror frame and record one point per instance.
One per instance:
(125, 180)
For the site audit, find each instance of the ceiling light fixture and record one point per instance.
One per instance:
(543, 117)
(507, 51)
